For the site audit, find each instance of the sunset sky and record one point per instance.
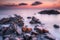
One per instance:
(45, 3)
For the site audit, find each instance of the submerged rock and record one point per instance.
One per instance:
(49, 12)
(28, 17)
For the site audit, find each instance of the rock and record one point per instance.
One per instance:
(24, 29)
(28, 17)
(7, 31)
(40, 30)
(56, 26)
(45, 31)
(27, 37)
(34, 33)
(10, 37)
(17, 19)
(49, 12)
(35, 21)
(47, 37)
(4, 20)
(20, 23)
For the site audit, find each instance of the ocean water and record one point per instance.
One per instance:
(47, 20)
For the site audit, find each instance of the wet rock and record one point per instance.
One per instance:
(17, 19)
(10, 37)
(7, 31)
(20, 23)
(41, 30)
(35, 21)
(56, 26)
(27, 37)
(24, 29)
(47, 37)
(49, 12)
(34, 33)
(4, 20)
(45, 31)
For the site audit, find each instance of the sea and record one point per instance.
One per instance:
(47, 20)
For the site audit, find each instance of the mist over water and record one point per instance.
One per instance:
(48, 20)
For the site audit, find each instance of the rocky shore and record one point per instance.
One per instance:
(17, 30)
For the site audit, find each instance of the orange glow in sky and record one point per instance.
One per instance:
(45, 3)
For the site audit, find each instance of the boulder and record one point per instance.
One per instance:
(16, 19)
(40, 30)
(24, 29)
(4, 20)
(35, 21)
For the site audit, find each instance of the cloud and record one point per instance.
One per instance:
(23, 4)
(36, 3)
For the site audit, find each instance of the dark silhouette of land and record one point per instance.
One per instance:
(49, 12)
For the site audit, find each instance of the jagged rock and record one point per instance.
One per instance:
(4, 20)
(17, 19)
(56, 26)
(7, 31)
(35, 21)
(49, 12)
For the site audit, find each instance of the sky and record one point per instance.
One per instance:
(45, 3)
